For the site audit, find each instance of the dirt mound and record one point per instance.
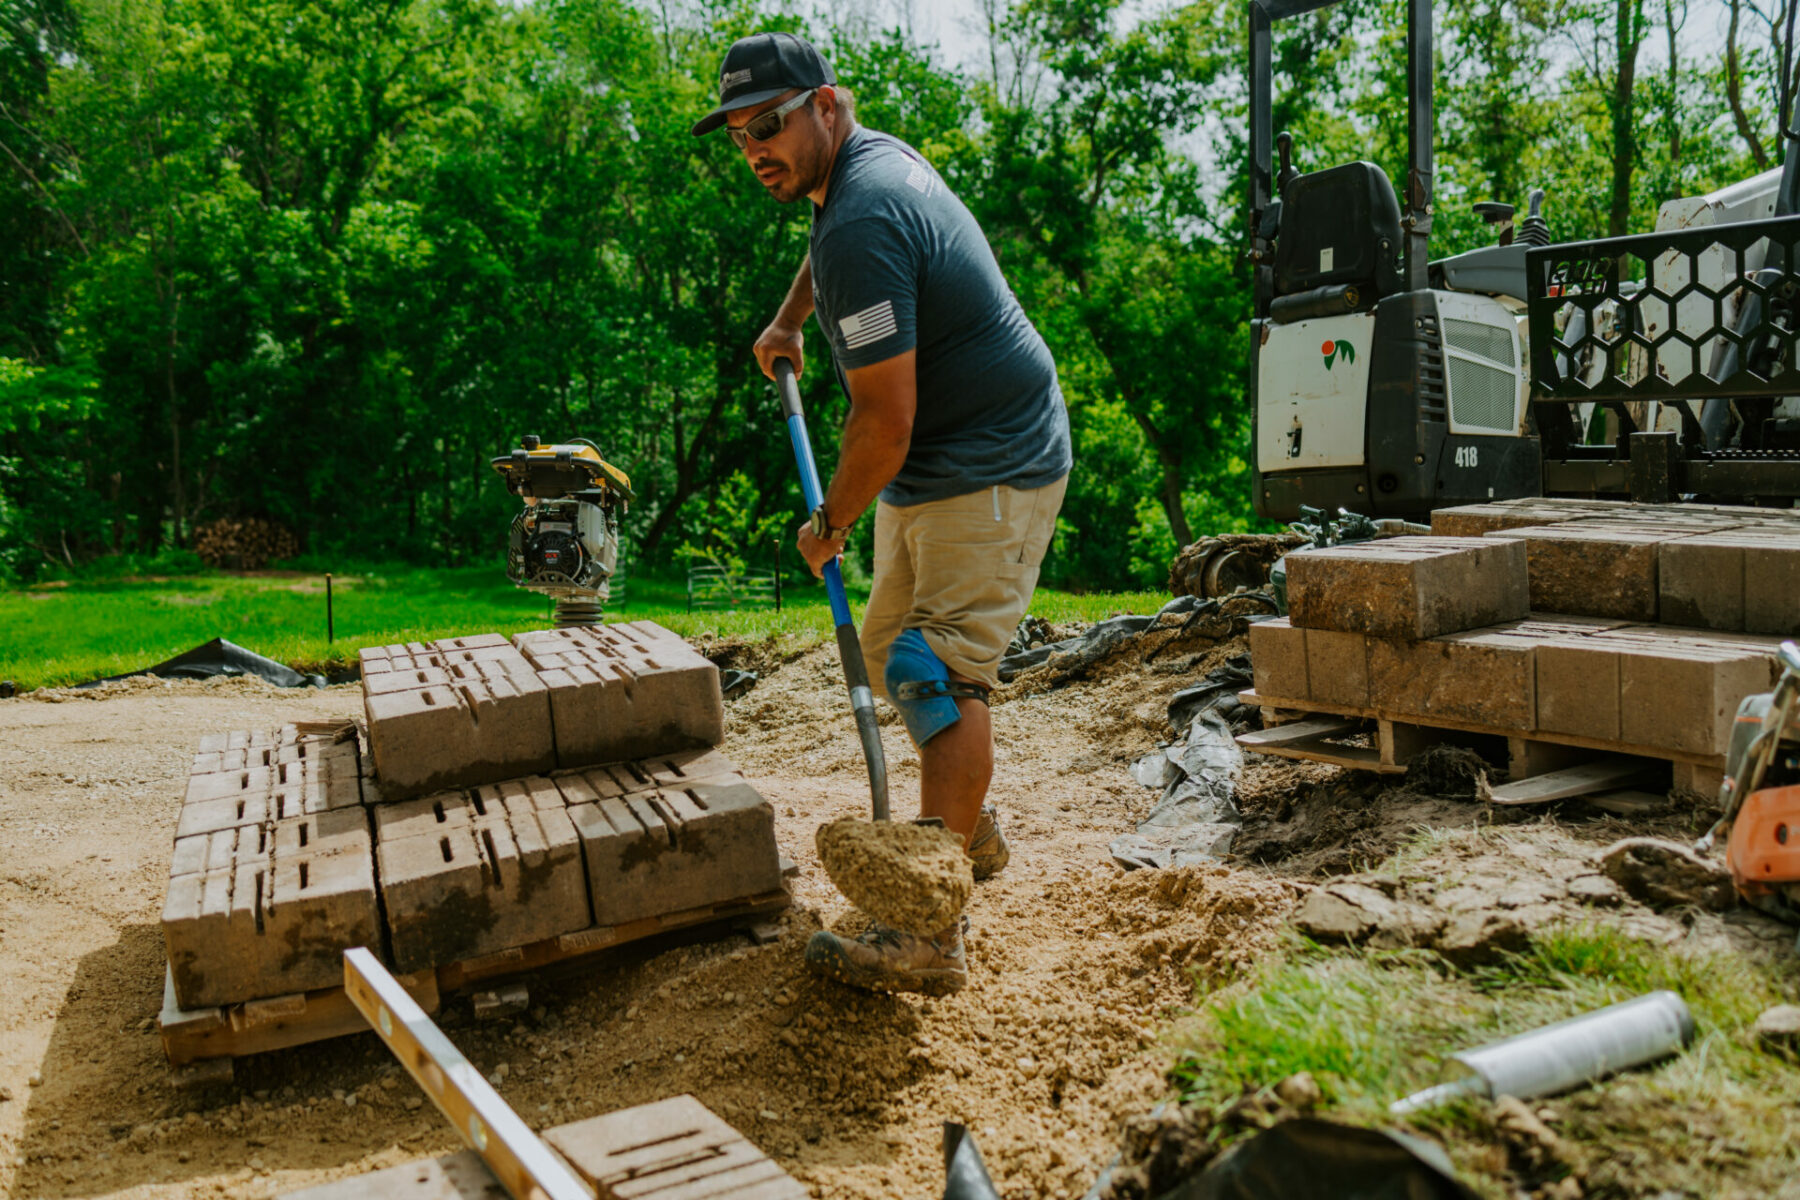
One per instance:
(1171, 642)
(1314, 820)
(1449, 773)
(914, 878)
(765, 655)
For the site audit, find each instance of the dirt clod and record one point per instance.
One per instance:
(914, 878)
(1666, 874)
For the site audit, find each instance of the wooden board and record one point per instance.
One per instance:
(278, 1022)
(1310, 741)
(1603, 774)
(1714, 761)
(1299, 731)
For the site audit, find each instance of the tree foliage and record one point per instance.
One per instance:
(316, 261)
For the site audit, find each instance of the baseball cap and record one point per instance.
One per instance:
(761, 67)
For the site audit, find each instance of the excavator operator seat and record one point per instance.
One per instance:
(1340, 227)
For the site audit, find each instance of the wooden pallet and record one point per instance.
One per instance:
(1540, 766)
(201, 1043)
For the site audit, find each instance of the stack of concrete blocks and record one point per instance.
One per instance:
(1547, 627)
(601, 800)
(620, 692)
(513, 793)
(454, 713)
(272, 876)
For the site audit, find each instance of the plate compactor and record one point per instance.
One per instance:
(565, 543)
(1760, 798)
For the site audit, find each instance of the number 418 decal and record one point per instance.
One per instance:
(1468, 456)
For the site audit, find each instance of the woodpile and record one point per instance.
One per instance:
(244, 543)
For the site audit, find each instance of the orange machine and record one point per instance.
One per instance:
(1760, 799)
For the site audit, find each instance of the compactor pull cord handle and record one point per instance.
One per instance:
(856, 674)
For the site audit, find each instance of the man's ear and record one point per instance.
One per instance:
(826, 98)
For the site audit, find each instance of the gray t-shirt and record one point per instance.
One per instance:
(899, 264)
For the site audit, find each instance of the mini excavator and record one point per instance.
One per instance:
(1653, 367)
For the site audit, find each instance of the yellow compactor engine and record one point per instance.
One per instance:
(565, 543)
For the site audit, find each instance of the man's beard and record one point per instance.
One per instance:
(798, 178)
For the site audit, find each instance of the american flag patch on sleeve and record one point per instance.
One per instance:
(868, 326)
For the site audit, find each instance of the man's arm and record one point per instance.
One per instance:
(883, 400)
(781, 338)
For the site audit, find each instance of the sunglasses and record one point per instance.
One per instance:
(765, 126)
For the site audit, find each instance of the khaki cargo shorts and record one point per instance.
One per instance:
(961, 571)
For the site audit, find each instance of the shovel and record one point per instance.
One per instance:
(856, 675)
(913, 877)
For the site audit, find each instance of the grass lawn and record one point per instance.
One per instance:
(68, 632)
(1373, 1026)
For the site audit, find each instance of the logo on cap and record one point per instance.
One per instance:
(732, 79)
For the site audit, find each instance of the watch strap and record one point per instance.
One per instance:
(824, 530)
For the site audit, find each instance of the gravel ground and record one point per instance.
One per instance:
(1075, 966)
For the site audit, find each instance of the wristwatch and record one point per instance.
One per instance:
(824, 530)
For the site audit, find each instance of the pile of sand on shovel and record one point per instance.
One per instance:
(914, 878)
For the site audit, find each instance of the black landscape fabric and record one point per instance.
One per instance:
(1308, 1159)
(220, 657)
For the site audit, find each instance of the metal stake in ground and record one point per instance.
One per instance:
(856, 675)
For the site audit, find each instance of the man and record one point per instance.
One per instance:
(956, 423)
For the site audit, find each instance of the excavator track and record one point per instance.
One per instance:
(1221, 565)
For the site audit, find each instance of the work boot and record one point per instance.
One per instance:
(987, 845)
(886, 960)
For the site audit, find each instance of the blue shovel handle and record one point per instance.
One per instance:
(856, 674)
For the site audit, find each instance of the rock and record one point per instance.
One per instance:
(1779, 1028)
(1299, 1090)
(1536, 916)
(1471, 939)
(5, 1094)
(1597, 890)
(1330, 917)
(1665, 874)
(36, 1079)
